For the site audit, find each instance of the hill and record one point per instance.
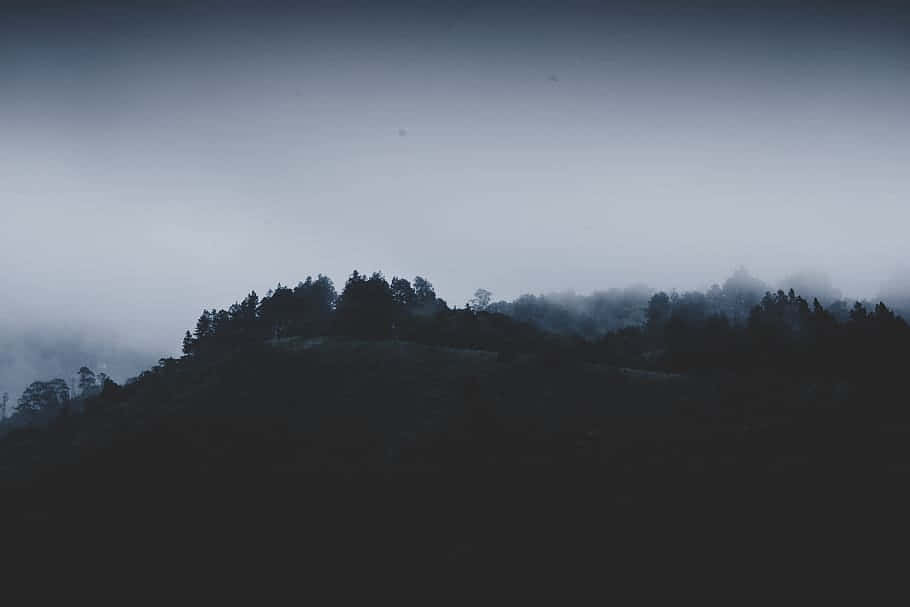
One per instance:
(442, 455)
(374, 432)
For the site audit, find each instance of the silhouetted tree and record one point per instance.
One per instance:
(883, 315)
(423, 291)
(189, 344)
(247, 314)
(203, 327)
(41, 396)
(740, 293)
(365, 307)
(658, 312)
(858, 314)
(222, 323)
(278, 311)
(481, 300)
(402, 293)
(87, 381)
(315, 305)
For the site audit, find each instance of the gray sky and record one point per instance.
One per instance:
(155, 163)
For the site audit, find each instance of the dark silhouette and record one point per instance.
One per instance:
(291, 415)
(481, 300)
(43, 397)
(87, 381)
(366, 307)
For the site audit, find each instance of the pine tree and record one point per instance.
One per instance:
(203, 327)
(423, 290)
(189, 344)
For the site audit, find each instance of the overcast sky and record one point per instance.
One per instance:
(171, 156)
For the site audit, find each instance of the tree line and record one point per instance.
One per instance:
(368, 307)
(732, 327)
(42, 401)
(739, 325)
(782, 331)
(602, 312)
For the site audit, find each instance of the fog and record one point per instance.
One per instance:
(164, 158)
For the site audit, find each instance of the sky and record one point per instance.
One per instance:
(157, 158)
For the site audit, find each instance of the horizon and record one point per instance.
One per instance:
(161, 158)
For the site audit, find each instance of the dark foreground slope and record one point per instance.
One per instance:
(373, 454)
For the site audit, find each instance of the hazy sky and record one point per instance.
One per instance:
(159, 159)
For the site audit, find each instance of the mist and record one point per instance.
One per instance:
(38, 354)
(160, 159)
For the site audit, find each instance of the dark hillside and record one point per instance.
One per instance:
(380, 429)
(380, 451)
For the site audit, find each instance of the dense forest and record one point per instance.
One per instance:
(737, 326)
(377, 410)
(637, 325)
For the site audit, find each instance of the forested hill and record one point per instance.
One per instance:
(377, 308)
(734, 327)
(380, 428)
